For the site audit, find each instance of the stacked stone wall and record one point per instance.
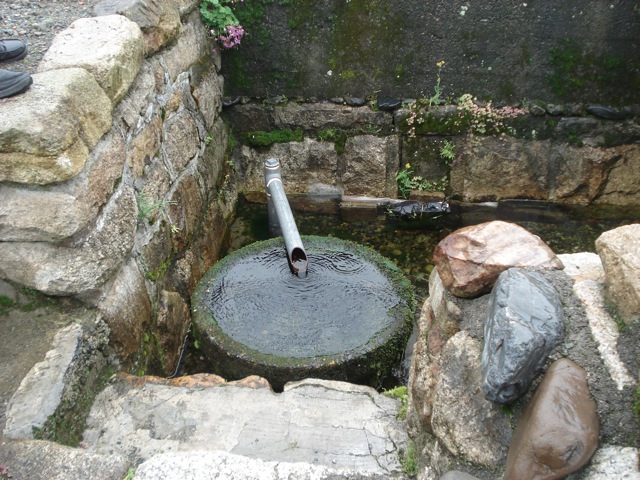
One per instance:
(114, 183)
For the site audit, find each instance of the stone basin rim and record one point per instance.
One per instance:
(399, 326)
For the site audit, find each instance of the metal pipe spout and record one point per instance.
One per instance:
(281, 221)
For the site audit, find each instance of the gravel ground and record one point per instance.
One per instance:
(36, 23)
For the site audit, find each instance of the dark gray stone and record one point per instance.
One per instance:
(525, 322)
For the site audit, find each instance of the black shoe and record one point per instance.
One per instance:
(12, 83)
(12, 49)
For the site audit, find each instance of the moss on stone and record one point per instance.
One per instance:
(260, 139)
(579, 74)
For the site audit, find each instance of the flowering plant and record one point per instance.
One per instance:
(225, 27)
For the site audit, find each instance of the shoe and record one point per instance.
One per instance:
(12, 83)
(12, 49)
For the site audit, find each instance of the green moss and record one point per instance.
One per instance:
(262, 139)
(67, 424)
(400, 393)
(154, 275)
(335, 135)
(5, 305)
(579, 74)
(408, 459)
(433, 122)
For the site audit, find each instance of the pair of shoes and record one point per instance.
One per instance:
(12, 83)
(12, 49)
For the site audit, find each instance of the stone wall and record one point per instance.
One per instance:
(557, 153)
(499, 49)
(114, 183)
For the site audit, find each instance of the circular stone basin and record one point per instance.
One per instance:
(348, 319)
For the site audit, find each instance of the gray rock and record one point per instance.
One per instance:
(159, 20)
(525, 322)
(332, 424)
(303, 164)
(183, 465)
(110, 48)
(192, 45)
(47, 132)
(40, 460)
(371, 165)
(39, 393)
(81, 268)
(469, 426)
(619, 250)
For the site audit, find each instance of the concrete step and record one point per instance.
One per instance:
(203, 423)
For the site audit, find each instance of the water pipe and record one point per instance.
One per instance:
(281, 221)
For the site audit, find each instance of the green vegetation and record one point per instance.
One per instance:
(401, 393)
(409, 461)
(66, 425)
(131, 473)
(260, 139)
(335, 135)
(408, 182)
(578, 73)
(151, 210)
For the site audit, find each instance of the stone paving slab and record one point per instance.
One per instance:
(222, 465)
(327, 423)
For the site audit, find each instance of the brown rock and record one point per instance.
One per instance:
(470, 259)
(371, 166)
(173, 322)
(127, 309)
(558, 431)
(619, 250)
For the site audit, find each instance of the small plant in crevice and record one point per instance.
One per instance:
(408, 181)
(152, 211)
(224, 26)
(488, 119)
(447, 153)
(437, 89)
(408, 459)
(403, 396)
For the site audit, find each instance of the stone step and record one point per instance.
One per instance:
(194, 423)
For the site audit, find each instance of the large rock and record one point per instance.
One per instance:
(332, 424)
(46, 133)
(110, 48)
(303, 164)
(525, 322)
(126, 309)
(80, 268)
(558, 431)
(470, 259)
(50, 215)
(159, 20)
(192, 45)
(371, 165)
(40, 391)
(237, 467)
(469, 425)
(39, 460)
(619, 250)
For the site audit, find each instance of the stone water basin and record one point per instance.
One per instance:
(348, 319)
